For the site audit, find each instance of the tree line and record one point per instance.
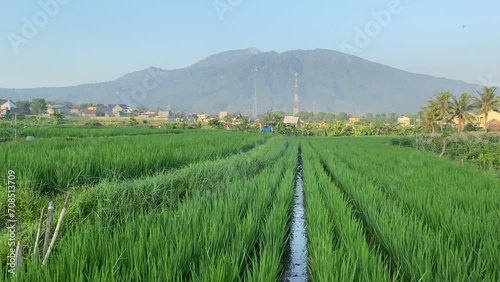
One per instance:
(443, 107)
(37, 106)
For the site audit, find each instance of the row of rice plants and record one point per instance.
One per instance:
(52, 166)
(91, 131)
(457, 200)
(338, 249)
(110, 201)
(236, 232)
(420, 251)
(260, 237)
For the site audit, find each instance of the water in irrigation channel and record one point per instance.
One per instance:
(297, 269)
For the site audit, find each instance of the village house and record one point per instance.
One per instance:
(8, 106)
(164, 114)
(147, 114)
(491, 123)
(222, 115)
(88, 113)
(121, 110)
(353, 120)
(211, 116)
(74, 111)
(404, 121)
(59, 108)
(201, 117)
(104, 109)
(187, 118)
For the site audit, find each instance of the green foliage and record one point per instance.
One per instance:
(425, 218)
(99, 113)
(471, 127)
(24, 107)
(91, 129)
(441, 110)
(481, 150)
(461, 108)
(221, 209)
(487, 101)
(215, 123)
(133, 121)
(57, 116)
(85, 106)
(233, 213)
(67, 162)
(93, 123)
(243, 124)
(402, 141)
(38, 106)
(8, 115)
(337, 245)
(228, 118)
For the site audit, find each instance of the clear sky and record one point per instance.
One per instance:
(86, 41)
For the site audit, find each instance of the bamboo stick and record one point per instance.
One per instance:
(58, 226)
(19, 255)
(40, 223)
(47, 230)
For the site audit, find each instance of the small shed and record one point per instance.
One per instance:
(8, 106)
(291, 120)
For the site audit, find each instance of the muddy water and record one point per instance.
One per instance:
(297, 269)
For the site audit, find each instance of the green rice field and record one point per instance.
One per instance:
(206, 205)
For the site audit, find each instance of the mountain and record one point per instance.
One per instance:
(329, 81)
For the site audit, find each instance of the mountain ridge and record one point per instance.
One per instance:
(329, 81)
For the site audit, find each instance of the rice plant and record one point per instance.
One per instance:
(52, 166)
(338, 247)
(408, 218)
(235, 231)
(111, 201)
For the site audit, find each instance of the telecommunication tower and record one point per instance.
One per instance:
(296, 96)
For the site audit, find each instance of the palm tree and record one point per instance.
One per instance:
(443, 107)
(58, 116)
(244, 125)
(306, 129)
(460, 109)
(431, 114)
(486, 102)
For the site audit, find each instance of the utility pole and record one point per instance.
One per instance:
(15, 126)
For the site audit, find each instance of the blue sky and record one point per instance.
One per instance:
(92, 41)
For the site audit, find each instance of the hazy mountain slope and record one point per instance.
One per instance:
(331, 80)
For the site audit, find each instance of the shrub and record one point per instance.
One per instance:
(402, 141)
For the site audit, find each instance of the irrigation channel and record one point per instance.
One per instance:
(297, 269)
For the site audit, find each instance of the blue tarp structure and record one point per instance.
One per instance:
(267, 129)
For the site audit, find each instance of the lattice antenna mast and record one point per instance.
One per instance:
(296, 96)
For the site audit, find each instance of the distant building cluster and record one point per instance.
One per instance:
(491, 120)
(104, 110)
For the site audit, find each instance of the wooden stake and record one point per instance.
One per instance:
(58, 226)
(38, 235)
(47, 230)
(19, 255)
